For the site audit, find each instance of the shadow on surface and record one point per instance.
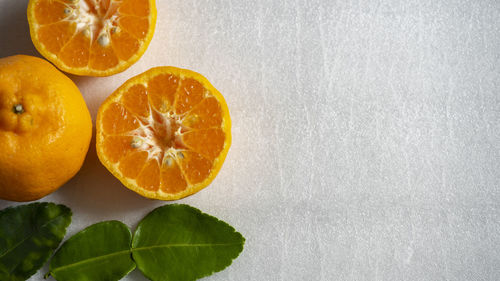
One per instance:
(80, 80)
(14, 29)
(96, 191)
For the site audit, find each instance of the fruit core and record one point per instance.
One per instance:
(160, 135)
(95, 18)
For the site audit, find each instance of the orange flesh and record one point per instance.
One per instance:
(166, 133)
(92, 34)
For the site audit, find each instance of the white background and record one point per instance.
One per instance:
(366, 134)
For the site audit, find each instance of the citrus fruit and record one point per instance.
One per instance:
(164, 133)
(92, 37)
(45, 128)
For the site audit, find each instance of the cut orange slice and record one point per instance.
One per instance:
(165, 133)
(92, 37)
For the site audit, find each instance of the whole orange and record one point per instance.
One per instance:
(45, 128)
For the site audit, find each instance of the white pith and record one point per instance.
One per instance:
(92, 25)
(144, 137)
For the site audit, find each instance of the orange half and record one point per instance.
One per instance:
(92, 37)
(164, 133)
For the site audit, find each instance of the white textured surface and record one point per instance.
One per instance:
(366, 134)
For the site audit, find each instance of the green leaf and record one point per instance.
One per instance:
(180, 243)
(101, 252)
(28, 236)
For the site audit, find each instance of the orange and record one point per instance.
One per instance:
(45, 128)
(164, 133)
(92, 37)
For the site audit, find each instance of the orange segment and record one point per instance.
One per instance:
(77, 51)
(189, 95)
(172, 178)
(110, 36)
(136, 100)
(137, 27)
(56, 35)
(135, 7)
(130, 164)
(205, 115)
(102, 58)
(196, 168)
(162, 89)
(116, 147)
(208, 143)
(118, 120)
(124, 44)
(49, 11)
(149, 178)
(176, 151)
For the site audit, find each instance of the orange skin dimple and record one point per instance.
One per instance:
(109, 36)
(179, 130)
(45, 128)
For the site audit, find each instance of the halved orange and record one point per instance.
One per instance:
(164, 133)
(92, 37)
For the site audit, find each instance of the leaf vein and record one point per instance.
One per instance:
(89, 260)
(29, 236)
(185, 245)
